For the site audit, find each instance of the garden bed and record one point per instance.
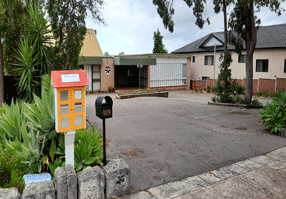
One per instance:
(151, 94)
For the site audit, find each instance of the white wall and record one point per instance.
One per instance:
(168, 72)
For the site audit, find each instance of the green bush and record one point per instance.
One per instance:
(88, 150)
(214, 89)
(11, 171)
(208, 89)
(259, 93)
(237, 89)
(111, 89)
(196, 89)
(274, 113)
(214, 99)
(255, 102)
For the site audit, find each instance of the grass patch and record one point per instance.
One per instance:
(137, 92)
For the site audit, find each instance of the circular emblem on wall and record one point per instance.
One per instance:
(107, 70)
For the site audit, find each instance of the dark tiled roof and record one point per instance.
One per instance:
(268, 37)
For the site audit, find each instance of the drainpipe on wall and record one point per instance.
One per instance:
(275, 82)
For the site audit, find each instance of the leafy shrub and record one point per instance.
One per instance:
(255, 102)
(11, 171)
(224, 98)
(30, 150)
(111, 89)
(87, 150)
(274, 113)
(12, 120)
(214, 89)
(236, 88)
(259, 93)
(214, 98)
(208, 89)
(196, 89)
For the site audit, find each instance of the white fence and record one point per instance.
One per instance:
(168, 74)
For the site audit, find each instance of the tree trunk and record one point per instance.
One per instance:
(225, 25)
(67, 52)
(250, 42)
(1, 75)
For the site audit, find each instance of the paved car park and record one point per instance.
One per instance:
(167, 139)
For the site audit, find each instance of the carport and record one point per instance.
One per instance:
(132, 72)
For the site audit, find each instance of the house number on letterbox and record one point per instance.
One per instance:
(103, 110)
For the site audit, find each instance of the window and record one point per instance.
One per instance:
(262, 65)
(209, 60)
(96, 77)
(205, 78)
(284, 65)
(184, 73)
(241, 58)
(194, 59)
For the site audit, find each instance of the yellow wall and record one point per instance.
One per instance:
(91, 46)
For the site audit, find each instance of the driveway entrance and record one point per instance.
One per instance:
(167, 139)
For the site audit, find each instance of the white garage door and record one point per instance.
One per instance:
(168, 74)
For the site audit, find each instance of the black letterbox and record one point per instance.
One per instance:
(103, 110)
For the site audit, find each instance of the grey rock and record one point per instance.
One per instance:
(91, 183)
(71, 182)
(117, 174)
(61, 183)
(10, 193)
(39, 190)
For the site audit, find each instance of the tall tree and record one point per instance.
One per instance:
(158, 43)
(245, 24)
(68, 24)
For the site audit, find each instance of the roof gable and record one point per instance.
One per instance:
(211, 41)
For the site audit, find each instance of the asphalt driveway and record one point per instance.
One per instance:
(167, 139)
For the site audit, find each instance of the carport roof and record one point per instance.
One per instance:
(131, 61)
(89, 60)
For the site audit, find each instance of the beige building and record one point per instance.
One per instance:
(269, 59)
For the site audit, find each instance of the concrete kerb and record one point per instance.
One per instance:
(161, 94)
(248, 106)
(92, 182)
(274, 160)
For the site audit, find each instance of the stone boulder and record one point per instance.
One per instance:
(91, 183)
(39, 190)
(117, 176)
(10, 193)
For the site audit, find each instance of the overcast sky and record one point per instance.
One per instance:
(131, 25)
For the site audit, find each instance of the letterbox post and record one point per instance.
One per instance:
(104, 143)
(103, 111)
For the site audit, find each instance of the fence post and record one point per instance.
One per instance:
(258, 85)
